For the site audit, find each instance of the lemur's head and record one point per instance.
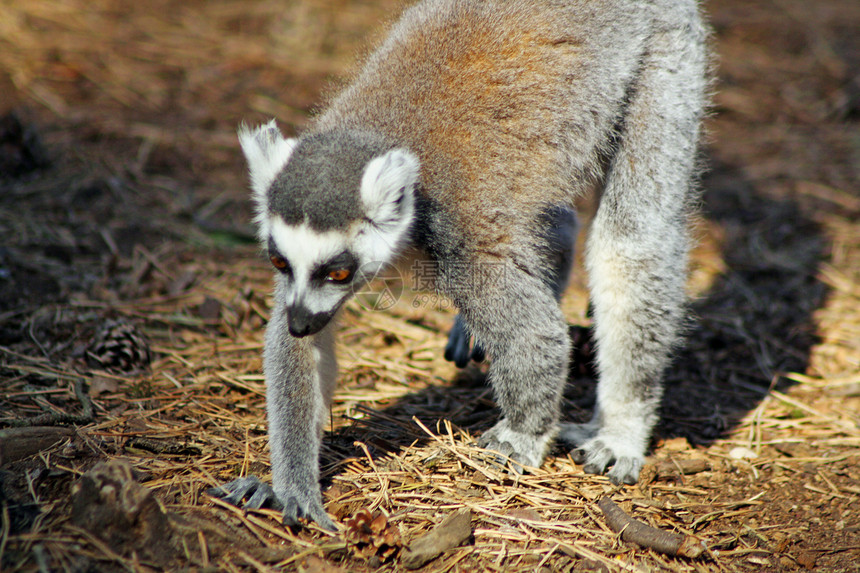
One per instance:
(327, 205)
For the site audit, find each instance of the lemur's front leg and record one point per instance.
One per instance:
(517, 317)
(299, 382)
(561, 227)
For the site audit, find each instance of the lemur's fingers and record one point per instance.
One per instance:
(626, 470)
(308, 508)
(521, 448)
(504, 455)
(264, 496)
(598, 454)
(478, 352)
(459, 349)
(257, 493)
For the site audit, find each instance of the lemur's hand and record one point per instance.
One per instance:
(258, 494)
(459, 350)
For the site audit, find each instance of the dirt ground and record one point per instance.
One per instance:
(133, 299)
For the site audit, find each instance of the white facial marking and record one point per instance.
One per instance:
(305, 248)
(387, 195)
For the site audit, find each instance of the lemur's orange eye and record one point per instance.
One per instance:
(278, 262)
(339, 275)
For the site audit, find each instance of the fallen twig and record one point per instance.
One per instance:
(643, 534)
(59, 418)
(673, 468)
(169, 447)
(18, 443)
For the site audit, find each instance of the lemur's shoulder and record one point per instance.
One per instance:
(497, 97)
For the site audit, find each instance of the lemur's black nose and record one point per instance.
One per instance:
(299, 332)
(303, 322)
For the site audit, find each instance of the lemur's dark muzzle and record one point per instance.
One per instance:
(302, 322)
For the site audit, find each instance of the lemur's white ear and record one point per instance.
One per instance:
(388, 194)
(387, 188)
(267, 152)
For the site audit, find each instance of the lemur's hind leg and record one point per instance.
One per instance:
(637, 251)
(561, 237)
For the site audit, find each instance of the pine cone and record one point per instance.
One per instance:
(119, 346)
(371, 535)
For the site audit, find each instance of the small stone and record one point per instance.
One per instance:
(742, 453)
(680, 444)
(103, 385)
(807, 559)
(525, 514)
(210, 309)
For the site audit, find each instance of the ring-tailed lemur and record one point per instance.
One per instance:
(469, 133)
